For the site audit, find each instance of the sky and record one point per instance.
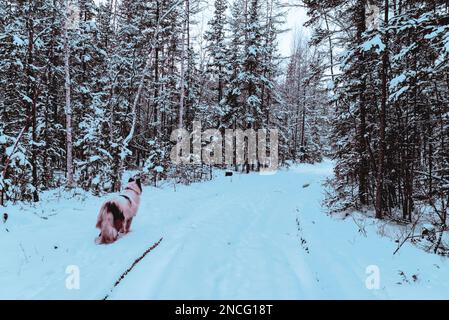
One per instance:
(295, 19)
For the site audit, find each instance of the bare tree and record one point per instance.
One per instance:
(382, 124)
(68, 106)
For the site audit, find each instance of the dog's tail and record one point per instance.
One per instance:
(109, 212)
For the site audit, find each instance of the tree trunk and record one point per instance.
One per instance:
(182, 75)
(68, 106)
(382, 124)
(303, 125)
(362, 147)
(32, 93)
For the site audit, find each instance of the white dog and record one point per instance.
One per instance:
(116, 214)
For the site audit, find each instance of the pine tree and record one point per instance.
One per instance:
(390, 127)
(217, 49)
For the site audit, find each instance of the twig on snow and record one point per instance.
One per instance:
(132, 266)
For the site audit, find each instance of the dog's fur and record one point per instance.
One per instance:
(116, 214)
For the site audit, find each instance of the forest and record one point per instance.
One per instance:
(91, 89)
(99, 89)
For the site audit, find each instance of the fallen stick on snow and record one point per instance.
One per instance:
(132, 266)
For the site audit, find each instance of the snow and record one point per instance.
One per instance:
(240, 237)
(18, 41)
(404, 51)
(4, 140)
(376, 41)
(159, 169)
(397, 80)
(435, 33)
(398, 93)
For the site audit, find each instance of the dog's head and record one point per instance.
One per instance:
(134, 184)
(108, 235)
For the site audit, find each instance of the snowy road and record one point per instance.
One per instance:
(252, 236)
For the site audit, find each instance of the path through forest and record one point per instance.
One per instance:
(249, 236)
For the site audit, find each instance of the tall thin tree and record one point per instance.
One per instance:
(68, 106)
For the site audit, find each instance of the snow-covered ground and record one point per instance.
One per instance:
(249, 237)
